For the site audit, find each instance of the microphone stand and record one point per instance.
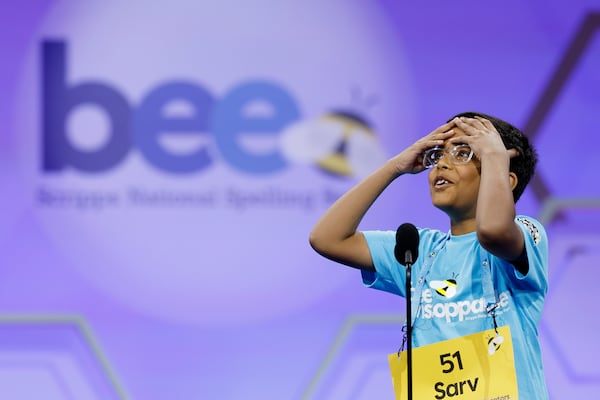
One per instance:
(406, 251)
(408, 325)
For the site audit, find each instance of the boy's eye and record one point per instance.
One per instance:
(463, 153)
(437, 154)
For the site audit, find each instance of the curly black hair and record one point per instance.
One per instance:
(523, 165)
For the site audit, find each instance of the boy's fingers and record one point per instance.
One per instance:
(487, 123)
(445, 127)
(466, 124)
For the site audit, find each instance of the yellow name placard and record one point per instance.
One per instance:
(480, 366)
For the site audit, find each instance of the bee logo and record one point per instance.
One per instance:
(340, 143)
(446, 288)
(494, 344)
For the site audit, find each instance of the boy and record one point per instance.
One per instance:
(478, 168)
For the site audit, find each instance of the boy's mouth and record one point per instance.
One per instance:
(441, 181)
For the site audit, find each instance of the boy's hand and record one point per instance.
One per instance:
(482, 137)
(410, 161)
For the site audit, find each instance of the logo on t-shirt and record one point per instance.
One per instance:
(469, 309)
(445, 288)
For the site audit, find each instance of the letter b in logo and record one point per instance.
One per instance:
(58, 101)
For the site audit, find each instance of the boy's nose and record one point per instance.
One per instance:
(444, 161)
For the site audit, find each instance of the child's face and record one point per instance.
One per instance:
(454, 187)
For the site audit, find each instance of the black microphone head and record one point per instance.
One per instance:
(406, 250)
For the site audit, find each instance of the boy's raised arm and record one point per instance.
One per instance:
(336, 234)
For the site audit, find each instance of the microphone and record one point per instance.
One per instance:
(406, 250)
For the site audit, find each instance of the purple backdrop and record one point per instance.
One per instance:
(161, 165)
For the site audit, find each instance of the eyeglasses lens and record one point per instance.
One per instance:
(460, 154)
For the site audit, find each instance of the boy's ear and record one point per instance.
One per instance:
(513, 179)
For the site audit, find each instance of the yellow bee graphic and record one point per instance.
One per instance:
(494, 344)
(446, 288)
(339, 142)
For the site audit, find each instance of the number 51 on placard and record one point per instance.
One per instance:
(464, 368)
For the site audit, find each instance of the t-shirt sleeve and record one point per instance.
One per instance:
(386, 276)
(536, 245)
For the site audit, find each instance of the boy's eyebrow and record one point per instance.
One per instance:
(453, 145)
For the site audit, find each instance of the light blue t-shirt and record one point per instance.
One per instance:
(452, 302)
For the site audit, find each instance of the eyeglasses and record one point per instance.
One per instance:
(460, 154)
